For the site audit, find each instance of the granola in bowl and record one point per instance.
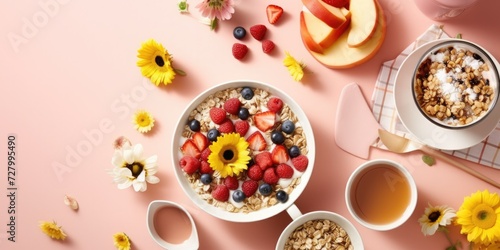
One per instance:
(455, 84)
(243, 151)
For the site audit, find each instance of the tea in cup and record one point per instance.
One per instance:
(381, 194)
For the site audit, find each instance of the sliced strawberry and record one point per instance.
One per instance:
(264, 120)
(274, 13)
(190, 148)
(200, 140)
(256, 141)
(205, 153)
(280, 154)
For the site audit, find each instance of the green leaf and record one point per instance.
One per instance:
(213, 24)
(451, 248)
(180, 72)
(429, 160)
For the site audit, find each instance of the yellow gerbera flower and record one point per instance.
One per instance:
(121, 240)
(229, 154)
(295, 68)
(143, 121)
(479, 217)
(156, 63)
(494, 246)
(52, 230)
(434, 217)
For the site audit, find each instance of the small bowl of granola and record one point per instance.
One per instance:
(243, 151)
(455, 84)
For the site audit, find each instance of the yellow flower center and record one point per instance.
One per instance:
(227, 154)
(215, 3)
(159, 61)
(143, 120)
(484, 216)
(136, 168)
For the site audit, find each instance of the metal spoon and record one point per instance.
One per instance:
(398, 144)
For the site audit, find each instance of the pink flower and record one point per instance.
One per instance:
(220, 9)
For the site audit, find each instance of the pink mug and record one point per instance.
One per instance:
(441, 10)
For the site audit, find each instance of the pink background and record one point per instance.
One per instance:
(74, 74)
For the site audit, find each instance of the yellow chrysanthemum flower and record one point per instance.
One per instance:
(479, 217)
(143, 121)
(121, 241)
(494, 246)
(156, 63)
(434, 217)
(295, 68)
(52, 230)
(229, 154)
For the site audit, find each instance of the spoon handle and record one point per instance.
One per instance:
(459, 165)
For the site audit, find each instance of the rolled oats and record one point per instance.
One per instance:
(319, 234)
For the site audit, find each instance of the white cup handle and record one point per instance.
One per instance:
(294, 212)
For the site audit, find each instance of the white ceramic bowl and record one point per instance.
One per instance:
(262, 213)
(479, 56)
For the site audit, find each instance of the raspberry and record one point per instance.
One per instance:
(284, 171)
(226, 127)
(267, 46)
(241, 127)
(249, 187)
(232, 106)
(220, 193)
(217, 115)
(205, 153)
(258, 31)
(239, 50)
(264, 160)
(300, 163)
(189, 164)
(255, 173)
(275, 104)
(270, 177)
(231, 182)
(205, 168)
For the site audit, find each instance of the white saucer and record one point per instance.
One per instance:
(423, 129)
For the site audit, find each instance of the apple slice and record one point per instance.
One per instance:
(320, 32)
(332, 16)
(307, 37)
(341, 56)
(363, 21)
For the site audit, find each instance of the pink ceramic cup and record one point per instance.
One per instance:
(441, 10)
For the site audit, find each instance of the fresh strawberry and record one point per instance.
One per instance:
(205, 168)
(267, 46)
(189, 164)
(255, 172)
(275, 104)
(249, 187)
(284, 171)
(220, 193)
(270, 176)
(218, 115)
(258, 31)
(274, 13)
(239, 51)
(280, 154)
(190, 148)
(256, 141)
(231, 182)
(205, 153)
(337, 3)
(264, 160)
(200, 140)
(241, 127)
(300, 162)
(226, 127)
(264, 120)
(232, 106)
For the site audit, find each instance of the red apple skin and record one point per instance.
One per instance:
(320, 11)
(336, 33)
(306, 36)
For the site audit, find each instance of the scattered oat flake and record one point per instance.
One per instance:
(71, 202)
(429, 160)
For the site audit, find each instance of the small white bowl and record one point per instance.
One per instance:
(263, 213)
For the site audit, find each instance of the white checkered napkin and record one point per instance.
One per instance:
(486, 153)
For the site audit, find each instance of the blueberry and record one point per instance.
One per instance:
(265, 189)
(238, 196)
(288, 127)
(206, 179)
(294, 151)
(282, 196)
(194, 125)
(243, 113)
(213, 134)
(247, 93)
(239, 32)
(277, 137)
